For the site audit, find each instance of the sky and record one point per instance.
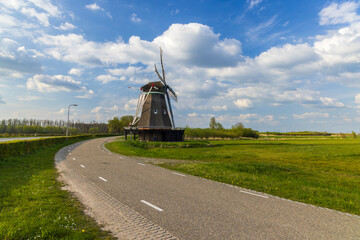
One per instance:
(274, 65)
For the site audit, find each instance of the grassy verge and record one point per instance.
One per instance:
(323, 172)
(32, 204)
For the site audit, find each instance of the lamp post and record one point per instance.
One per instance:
(67, 127)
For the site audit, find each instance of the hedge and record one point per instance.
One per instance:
(18, 147)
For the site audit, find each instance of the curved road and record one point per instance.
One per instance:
(140, 201)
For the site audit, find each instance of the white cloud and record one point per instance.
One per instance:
(66, 26)
(339, 13)
(191, 44)
(93, 7)
(45, 83)
(87, 95)
(134, 18)
(96, 109)
(193, 114)
(131, 105)
(331, 102)
(14, 57)
(243, 103)
(253, 3)
(104, 113)
(28, 98)
(311, 115)
(106, 78)
(1, 100)
(219, 108)
(357, 98)
(75, 71)
(96, 7)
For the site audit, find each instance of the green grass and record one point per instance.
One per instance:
(32, 204)
(323, 172)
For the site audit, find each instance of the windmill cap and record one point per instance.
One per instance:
(158, 85)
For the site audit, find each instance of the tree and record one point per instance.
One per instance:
(94, 130)
(117, 125)
(237, 125)
(215, 125)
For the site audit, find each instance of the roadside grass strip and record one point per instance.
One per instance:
(323, 172)
(32, 204)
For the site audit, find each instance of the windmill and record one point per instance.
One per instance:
(154, 119)
(167, 88)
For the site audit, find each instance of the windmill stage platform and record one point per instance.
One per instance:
(155, 134)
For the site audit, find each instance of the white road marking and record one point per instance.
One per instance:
(151, 205)
(74, 158)
(120, 157)
(178, 174)
(70, 154)
(82, 166)
(103, 179)
(254, 194)
(141, 164)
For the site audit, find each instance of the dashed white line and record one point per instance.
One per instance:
(254, 194)
(103, 179)
(82, 166)
(121, 157)
(74, 158)
(151, 205)
(178, 174)
(141, 164)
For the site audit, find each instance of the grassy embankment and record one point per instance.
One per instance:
(32, 204)
(323, 172)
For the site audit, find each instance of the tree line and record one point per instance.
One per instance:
(49, 127)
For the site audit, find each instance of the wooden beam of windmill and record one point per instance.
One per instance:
(162, 65)
(159, 74)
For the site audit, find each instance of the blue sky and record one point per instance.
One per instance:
(272, 65)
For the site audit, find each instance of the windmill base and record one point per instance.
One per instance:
(160, 135)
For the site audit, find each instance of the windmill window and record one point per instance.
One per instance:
(155, 111)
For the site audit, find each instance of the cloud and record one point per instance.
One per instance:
(66, 26)
(108, 78)
(311, 115)
(191, 44)
(104, 113)
(38, 9)
(253, 3)
(28, 98)
(243, 103)
(331, 102)
(357, 98)
(87, 95)
(93, 7)
(15, 57)
(1, 100)
(134, 18)
(75, 71)
(46, 83)
(219, 108)
(339, 13)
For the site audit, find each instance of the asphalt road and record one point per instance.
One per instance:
(194, 208)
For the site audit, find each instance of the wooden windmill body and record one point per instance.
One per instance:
(154, 120)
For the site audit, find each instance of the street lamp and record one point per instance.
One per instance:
(67, 128)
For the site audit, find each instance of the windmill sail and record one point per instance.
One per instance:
(167, 88)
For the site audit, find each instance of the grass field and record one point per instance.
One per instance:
(319, 171)
(32, 205)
